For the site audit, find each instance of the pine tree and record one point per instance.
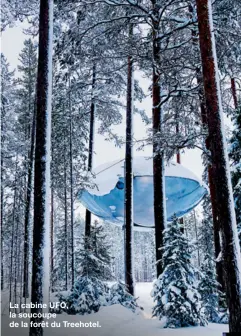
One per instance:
(95, 262)
(90, 291)
(7, 156)
(144, 256)
(115, 237)
(120, 295)
(175, 293)
(26, 87)
(192, 226)
(86, 297)
(12, 186)
(208, 289)
(68, 168)
(27, 122)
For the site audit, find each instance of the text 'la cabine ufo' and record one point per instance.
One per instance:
(183, 192)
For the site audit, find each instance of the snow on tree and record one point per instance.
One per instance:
(68, 174)
(192, 226)
(12, 185)
(144, 256)
(90, 291)
(26, 94)
(17, 110)
(91, 36)
(7, 164)
(87, 296)
(208, 288)
(120, 295)
(96, 260)
(13, 10)
(97, 72)
(144, 252)
(175, 291)
(115, 237)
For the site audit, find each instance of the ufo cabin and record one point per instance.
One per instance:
(106, 200)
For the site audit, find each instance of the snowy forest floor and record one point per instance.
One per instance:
(115, 321)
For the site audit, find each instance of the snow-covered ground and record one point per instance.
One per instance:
(117, 321)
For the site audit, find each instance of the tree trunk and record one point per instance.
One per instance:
(196, 234)
(71, 190)
(211, 177)
(158, 162)
(66, 261)
(52, 225)
(178, 158)
(129, 237)
(91, 146)
(177, 132)
(2, 270)
(2, 194)
(28, 209)
(21, 282)
(214, 205)
(234, 93)
(1, 219)
(13, 236)
(16, 255)
(29, 97)
(52, 239)
(41, 232)
(216, 228)
(222, 179)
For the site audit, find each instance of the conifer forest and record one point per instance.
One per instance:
(121, 167)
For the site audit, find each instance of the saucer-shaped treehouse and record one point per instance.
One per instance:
(106, 199)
